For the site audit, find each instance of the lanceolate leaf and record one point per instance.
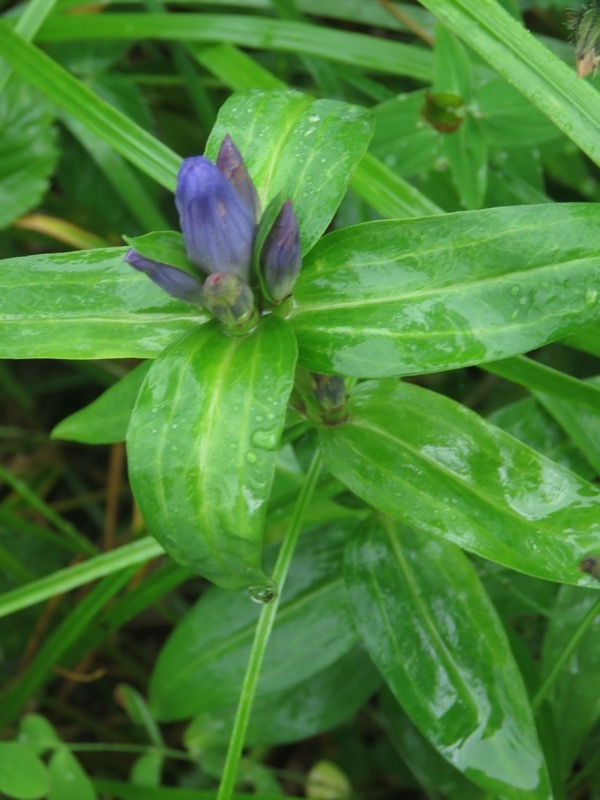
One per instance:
(434, 635)
(202, 445)
(423, 295)
(86, 305)
(314, 705)
(202, 665)
(303, 148)
(432, 463)
(105, 420)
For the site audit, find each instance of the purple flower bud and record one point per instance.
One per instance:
(218, 226)
(228, 298)
(329, 390)
(281, 256)
(231, 164)
(175, 281)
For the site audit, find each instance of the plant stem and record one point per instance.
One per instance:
(262, 633)
(565, 655)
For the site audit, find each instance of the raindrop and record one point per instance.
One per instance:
(263, 594)
(251, 457)
(174, 425)
(591, 297)
(265, 440)
(258, 418)
(314, 118)
(515, 290)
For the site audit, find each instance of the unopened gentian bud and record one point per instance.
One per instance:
(228, 299)
(175, 281)
(281, 256)
(231, 164)
(218, 225)
(329, 390)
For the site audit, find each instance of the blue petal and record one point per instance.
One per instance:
(174, 281)
(233, 167)
(217, 224)
(281, 255)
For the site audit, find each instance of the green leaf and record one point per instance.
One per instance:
(203, 663)
(70, 94)
(508, 119)
(434, 464)
(301, 711)
(435, 637)
(423, 295)
(552, 86)
(22, 774)
(576, 697)
(28, 152)
(581, 424)
(86, 305)
(467, 154)
(62, 580)
(304, 148)
(451, 67)
(105, 420)
(164, 246)
(541, 378)
(387, 193)
(68, 781)
(432, 771)
(38, 734)
(202, 445)
(346, 47)
(527, 421)
(147, 769)
(402, 140)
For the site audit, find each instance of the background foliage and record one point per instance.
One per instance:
(437, 633)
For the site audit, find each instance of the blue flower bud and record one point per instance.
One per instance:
(175, 281)
(228, 299)
(281, 256)
(231, 164)
(329, 390)
(217, 224)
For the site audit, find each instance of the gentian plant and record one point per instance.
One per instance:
(290, 438)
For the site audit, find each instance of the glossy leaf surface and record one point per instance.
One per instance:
(423, 295)
(435, 636)
(202, 445)
(527, 421)
(576, 698)
(304, 148)
(581, 424)
(105, 420)
(427, 765)
(86, 305)
(434, 464)
(202, 665)
(299, 712)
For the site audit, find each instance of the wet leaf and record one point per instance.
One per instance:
(435, 637)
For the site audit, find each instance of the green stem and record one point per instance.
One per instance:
(565, 655)
(262, 633)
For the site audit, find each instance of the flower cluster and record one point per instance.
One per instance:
(219, 210)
